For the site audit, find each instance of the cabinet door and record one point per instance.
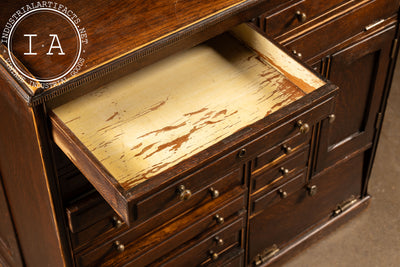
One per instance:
(9, 251)
(360, 71)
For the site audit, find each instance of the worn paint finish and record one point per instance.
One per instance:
(149, 121)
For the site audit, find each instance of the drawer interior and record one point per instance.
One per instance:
(135, 128)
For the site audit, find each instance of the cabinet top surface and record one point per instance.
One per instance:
(110, 32)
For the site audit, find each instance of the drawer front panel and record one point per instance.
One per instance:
(157, 242)
(282, 150)
(280, 172)
(198, 187)
(288, 130)
(299, 13)
(282, 222)
(264, 200)
(211, 249)
(315, 42)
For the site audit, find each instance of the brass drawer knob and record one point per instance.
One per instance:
(117, 222)
(184, 194)
(214, 255)
(219, 241)
(282, 193)
(284, 171)
(312, 190)
(303, 127)
(287, 149)
(219, 219)
(214, 192)
(120, 247)
(301, 16)
(297, 54)
(242, 153)
(332, 118)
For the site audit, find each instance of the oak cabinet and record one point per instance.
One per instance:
(360, 70)
(196, 138)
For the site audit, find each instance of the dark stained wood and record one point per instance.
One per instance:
(160, 241)
(137, 34)
(274, 175)
(317, 233)
(360, 71)
(335, 31)
(289, 217)
(25, 181)
(286, 19)
(9, 249)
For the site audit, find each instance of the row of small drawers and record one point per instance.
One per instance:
(95, 228)
(335, 23)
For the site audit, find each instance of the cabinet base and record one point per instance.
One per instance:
(317, 232)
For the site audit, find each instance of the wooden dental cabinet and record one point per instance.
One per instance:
(215, 133)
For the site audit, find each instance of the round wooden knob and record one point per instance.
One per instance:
(301, 16)
(120, 247)
(184, 194)
(303, 127)
(214, 192)
(214, 255)
(283, 193)
(219, 241)
(219, 219)
(117, 222)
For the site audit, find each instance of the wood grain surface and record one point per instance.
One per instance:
(149, 121)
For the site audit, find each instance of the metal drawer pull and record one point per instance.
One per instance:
(214, 192)
(284, 171)
(282, 193)
(120, 247)
(242, 153)
(297, 54)
(372, 25)
(287, 149)
(116, 222)
(303, 127)
(301, 16)
(214, 255)
(219, 241)
(332, 118)
(312, 190)
(219, 219)
(184, 194)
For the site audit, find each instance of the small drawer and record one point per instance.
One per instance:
(141, 245)
(281, 151)
(261, 201)
(337, 30)
(192, 190)
(87, 211)
(210, 251)
(297, 14)
(111, 226)
(279, 172)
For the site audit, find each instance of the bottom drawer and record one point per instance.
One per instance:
(213, 250)
(140, 248)
(275, 226)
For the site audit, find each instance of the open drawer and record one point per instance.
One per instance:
(135, 137)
